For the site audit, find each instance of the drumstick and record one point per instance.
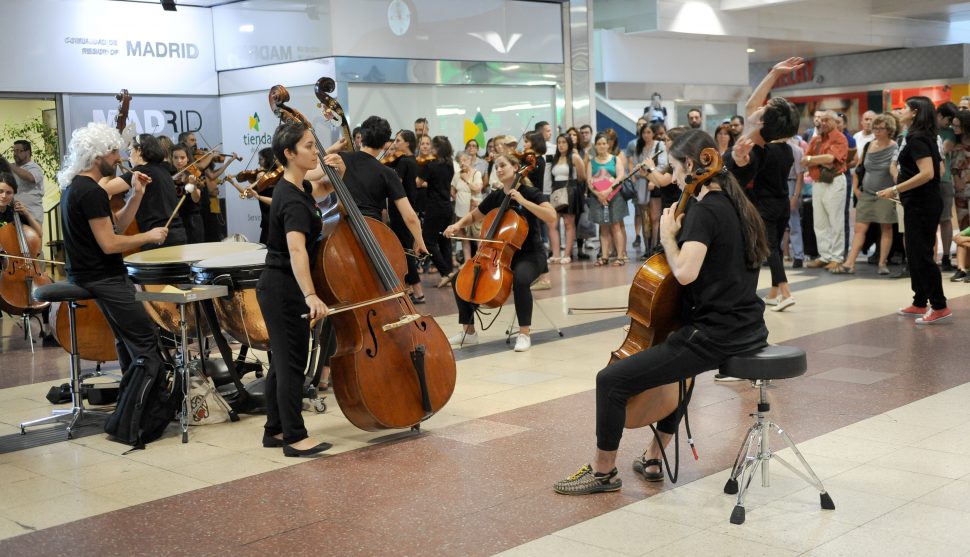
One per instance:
(189, 188)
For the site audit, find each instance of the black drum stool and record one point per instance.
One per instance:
(761, 367)
(70, 294)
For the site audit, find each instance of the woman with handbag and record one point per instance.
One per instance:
(607, 207)
(652, 153)
(466, 190)
(568, 171)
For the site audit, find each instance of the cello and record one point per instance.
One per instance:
(393, 368)
(22, 275)
(486, 278)
(654, 309)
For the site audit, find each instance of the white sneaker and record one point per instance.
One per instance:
(784, 304)
(523, 343)
(463, 339)
(771, 301)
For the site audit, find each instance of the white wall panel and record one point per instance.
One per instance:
(645, 59)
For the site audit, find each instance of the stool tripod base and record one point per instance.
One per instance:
(755, 453)
(75, 418)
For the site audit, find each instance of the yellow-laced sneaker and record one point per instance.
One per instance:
(585, 481)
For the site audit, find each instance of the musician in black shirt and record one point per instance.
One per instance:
(93, 248)
(438, 211)
(527, 263)
(286, 290)
(407, 169)
(715, 251)
(190, 212)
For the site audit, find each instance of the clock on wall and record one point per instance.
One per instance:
(398, 17)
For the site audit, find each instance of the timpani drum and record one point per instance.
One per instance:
(239, 313)
(154, 269)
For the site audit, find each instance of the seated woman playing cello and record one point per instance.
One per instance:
(527, 263)
(715, 251)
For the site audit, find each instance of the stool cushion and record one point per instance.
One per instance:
(61, 292)
(771, 362)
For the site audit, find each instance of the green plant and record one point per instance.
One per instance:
(43, 139)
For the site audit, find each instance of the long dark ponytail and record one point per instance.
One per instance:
(688, 146)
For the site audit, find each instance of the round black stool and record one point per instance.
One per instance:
(70, 294)
(762, 367)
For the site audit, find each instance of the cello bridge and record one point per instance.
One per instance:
(404, 320)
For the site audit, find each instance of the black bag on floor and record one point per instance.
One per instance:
(151, 394)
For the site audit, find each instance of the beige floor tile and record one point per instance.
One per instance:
(756, 495)
(851, 507)
(920, 413)
(713, 543)
(522, 378)
(885, 430)
(150, 486)
(35, 489)
(10, 473)
(627, 533)
(928, 522)
(853, 449)
(467, 389)
(956, 440)
(877, 542)
(926, 461)
(690, 507)
(481, 406)
(104, 473)
(9, 529)
(229, 468)
(796, 530)
(880, 480)
(70, 457)
(170, 453)
(823, 466)
(954, 495)
(72, 506)
(560, 547)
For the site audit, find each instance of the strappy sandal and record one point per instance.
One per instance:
(566, 260)
(641, 464)
(620, 261)
(842, 270)
(601, 262)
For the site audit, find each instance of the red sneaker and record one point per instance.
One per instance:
(912, 311)
(935, 316)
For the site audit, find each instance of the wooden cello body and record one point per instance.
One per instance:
(21, 276)
(486, 278)
(393, 368)
(655, 310)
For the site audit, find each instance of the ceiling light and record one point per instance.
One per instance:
(750, 50)
(247, 28)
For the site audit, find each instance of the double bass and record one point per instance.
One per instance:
(654, 309)
(486, 278)
(393, 368)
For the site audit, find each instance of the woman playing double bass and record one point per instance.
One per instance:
(714, 251)
(527, 263)
(285, 290)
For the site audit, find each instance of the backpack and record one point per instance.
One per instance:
(151, 394)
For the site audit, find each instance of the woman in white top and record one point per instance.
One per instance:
(653, 154)
(466, 189)
(568, 171)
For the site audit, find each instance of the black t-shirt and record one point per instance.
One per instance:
(533, 242)
(264, 208)
(82, 201)
(722, 302)
(371, 183)
(438, 175)
(538, 174)
(769, 168)
(6, 215)
(669, 195)
(919, 147)
(158, 203)
(293, 210)
(407, 171)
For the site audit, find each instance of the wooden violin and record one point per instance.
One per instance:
(486, 278)
(423, 160)
(393, 368)
(654, 309)
(248, 176)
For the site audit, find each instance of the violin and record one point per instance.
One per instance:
(425, 159)
(390, 158)
(486, 279)
(249, 176)
(654, 309)
(22, 275)
(214, 156)
(393, 368)
(269, 179)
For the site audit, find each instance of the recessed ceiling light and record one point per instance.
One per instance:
(750, 50)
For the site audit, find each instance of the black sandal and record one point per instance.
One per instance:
(640, 466)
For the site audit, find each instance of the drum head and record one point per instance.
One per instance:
(244, 268)
(173, 264)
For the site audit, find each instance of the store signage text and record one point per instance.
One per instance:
(163, 50)
(154, 121)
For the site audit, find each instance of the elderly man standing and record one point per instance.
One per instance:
(825, 159)
(30, 179)
(864, 135)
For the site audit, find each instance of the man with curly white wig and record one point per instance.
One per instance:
(91, 244)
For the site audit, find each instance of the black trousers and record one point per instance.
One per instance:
(921, 218)
(526, 268)
(439, 246)
(135, 332)
(281, 301)
(686, 353)
(775, 227)
(194, 231)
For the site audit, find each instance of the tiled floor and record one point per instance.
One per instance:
(882, 415)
